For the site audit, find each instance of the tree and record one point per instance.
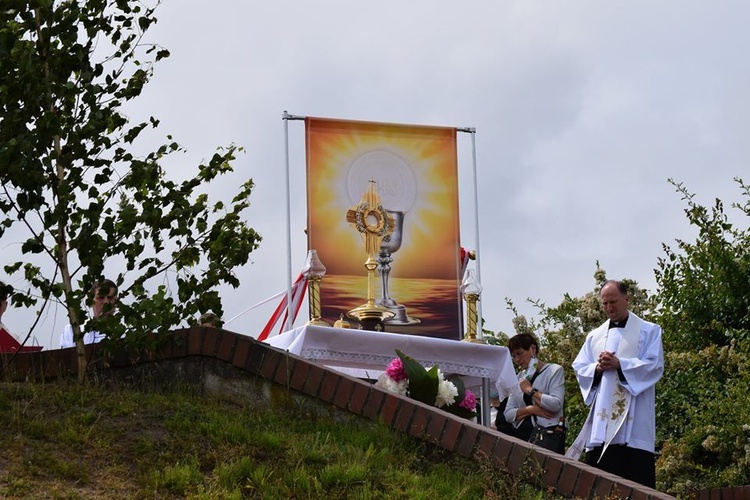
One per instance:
(704, 294)
(704, 307)
(91, 206)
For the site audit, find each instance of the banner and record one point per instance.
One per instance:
(415, 170)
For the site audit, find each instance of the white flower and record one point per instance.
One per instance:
(387, 383)
(447, 392)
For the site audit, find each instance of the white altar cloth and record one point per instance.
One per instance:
(366, 354)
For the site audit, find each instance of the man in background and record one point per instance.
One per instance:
(104, 301)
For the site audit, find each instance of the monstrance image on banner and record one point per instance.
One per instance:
(418, 265)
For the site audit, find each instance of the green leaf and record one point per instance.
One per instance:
(413, 367)
(422, 383)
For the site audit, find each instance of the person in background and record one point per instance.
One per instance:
(5, 291)
(540, 400)
(103, 302)
(9, 344)
(617, 369)
(210, 318)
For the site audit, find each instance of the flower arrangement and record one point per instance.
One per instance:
(404, 375)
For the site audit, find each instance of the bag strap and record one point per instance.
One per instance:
(533, 377)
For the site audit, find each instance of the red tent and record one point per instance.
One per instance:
(9, 344)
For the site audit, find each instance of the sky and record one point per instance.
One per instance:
(582, 110)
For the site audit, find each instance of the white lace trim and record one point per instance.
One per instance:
(379, 361)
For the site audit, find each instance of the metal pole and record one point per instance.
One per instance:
(290, 314)
(476, 220)
(473, 131)
(486, 402)
(486, 396)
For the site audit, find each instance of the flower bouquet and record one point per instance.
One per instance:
(405, 375)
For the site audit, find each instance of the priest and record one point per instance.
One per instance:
(617, 369)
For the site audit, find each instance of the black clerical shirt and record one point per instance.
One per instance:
(618, 324)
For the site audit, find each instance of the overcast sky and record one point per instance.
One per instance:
(582, 112)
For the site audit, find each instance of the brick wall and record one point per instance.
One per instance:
(564, 476)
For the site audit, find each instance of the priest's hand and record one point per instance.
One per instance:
(607, 361)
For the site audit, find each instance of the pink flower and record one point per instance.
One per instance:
(396, 370)
(469, 402)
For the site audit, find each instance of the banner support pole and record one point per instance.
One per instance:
(472, 131)
(290, 315)
(486, 393)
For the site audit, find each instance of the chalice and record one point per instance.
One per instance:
(388, 246)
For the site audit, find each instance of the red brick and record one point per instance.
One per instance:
(68, 365)
(451, 431)
(69, 359)
(271, 362)
(487, 442)
(179, 343)
(502, 451)
(552, 468)
(568, 480)
(343, 392)
(255, 357)
(643, 492)
(226, 347)
(373, 404)
(389, 409)
(38, 364)
(285, 369)
(468, 439)
(406, 410)
(359, 397)
(518, 457)
(328, 388)
(535, 460)
(241, 351)
(605, 486)
(435, 427)
(23, 364)
(299, 375)
(586, 484)
(195, 338)
(314, 380)
(419, 422)
(622, 487)
(728, 492)
(211, 341)
(625, 491)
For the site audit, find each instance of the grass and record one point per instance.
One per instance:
(66, 440)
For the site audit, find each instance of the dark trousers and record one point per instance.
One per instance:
(630, 463)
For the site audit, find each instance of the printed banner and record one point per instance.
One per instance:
(416, 174)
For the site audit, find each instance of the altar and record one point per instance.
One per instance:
(365, 354)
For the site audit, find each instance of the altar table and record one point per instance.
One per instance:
(366, 354)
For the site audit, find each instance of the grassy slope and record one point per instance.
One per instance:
(63, 440)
